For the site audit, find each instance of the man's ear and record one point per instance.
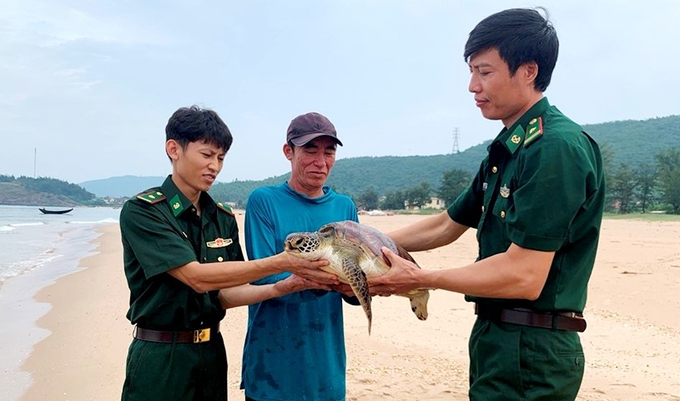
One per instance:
(530, 72)
(288, 151)
(172, 148)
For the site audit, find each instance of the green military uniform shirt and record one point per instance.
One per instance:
(161, 231)
(542, 188)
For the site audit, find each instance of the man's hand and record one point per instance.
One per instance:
(307, 269)
(401, 278)
(295, 283)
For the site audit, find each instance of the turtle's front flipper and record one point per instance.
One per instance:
(357, 280)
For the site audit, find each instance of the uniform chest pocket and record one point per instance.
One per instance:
(503, 201)
(218, 250)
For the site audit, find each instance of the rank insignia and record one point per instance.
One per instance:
(534, 130)
(505, 191)
(219, 243)
(151, 197)
(225, 208)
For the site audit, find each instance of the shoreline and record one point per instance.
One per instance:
(631, 345)
(88, 328)
(19, 307)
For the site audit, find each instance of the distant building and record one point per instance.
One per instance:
(434, 203)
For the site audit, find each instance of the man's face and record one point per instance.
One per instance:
(497, 94)
(196, 167)
(311, 165)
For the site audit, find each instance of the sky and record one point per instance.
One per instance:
(87, 87)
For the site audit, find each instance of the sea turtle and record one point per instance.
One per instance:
(353, 250)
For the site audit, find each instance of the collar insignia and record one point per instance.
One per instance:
(176, 205)
(515, 139)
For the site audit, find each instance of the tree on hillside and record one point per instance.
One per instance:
(607, 152)
(367, 200)
(645, 175)
(668, 165)
(418, 195)
(453, 184)
(55, 186)
(622, 186)
(394, 200)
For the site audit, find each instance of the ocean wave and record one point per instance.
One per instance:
(107, 220)
(6, 229)
(36, 223)
(17, 268)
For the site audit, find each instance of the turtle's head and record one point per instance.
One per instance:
(304, 245)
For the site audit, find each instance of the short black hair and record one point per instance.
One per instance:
(192, 124)
(521, 36)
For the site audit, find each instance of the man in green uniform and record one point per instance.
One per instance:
(536, 203)
(180, 248)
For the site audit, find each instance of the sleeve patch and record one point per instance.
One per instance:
(151, 197)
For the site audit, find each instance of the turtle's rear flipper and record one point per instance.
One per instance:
(357, 280)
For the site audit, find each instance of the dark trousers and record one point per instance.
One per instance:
(172, 371)
(510, 362)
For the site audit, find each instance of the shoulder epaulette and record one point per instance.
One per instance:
(225, 208)
(151, 197)
(534, 131)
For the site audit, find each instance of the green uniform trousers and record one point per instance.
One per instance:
(176, 372)
(513, 362)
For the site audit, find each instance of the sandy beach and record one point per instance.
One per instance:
(632, 343)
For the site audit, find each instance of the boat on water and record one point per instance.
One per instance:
(47, 211)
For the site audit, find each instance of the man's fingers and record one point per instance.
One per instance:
(379, 290)
(319, 276)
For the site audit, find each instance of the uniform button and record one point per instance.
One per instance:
(220, 259)
(482, 208)
(494, 169)
(204, 259)
(502, 214)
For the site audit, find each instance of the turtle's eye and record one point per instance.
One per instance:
(298, 241)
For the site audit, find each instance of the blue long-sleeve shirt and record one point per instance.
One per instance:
(295, 346)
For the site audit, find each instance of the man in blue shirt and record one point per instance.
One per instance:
(295, 346)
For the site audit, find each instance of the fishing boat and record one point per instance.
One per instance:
(46, 211)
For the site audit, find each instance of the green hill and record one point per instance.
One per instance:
(637, 141)
(42, 192)
(632, 142)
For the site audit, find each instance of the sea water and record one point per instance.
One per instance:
(35, 250)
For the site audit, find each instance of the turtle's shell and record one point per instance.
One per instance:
(354, 252)
(368, 238)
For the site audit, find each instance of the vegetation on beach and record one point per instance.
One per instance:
(651, 217)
